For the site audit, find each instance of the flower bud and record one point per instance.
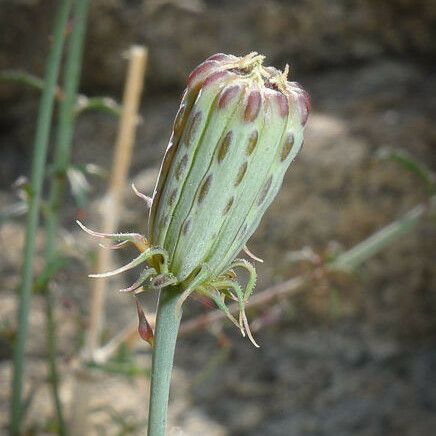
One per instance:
(239, 127)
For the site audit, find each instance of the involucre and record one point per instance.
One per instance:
(239, 127)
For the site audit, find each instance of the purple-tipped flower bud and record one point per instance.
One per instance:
(239, 127)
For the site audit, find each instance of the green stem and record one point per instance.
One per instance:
(62, 154)
(22, 78)
(38, 165)
(53, 376)
(83, 103)
(167, 326)
(369, 247)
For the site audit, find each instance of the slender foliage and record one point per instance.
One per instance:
(83, 103)
(62, 154)
(38, 165)
(369, 247)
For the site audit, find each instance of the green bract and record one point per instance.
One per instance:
(239, 127)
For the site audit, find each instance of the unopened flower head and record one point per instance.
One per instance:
(239, 127)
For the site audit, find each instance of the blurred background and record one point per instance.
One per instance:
(348, 353)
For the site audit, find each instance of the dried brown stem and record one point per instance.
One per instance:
(113, 206)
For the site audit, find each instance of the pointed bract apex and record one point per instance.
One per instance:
(144, 327)
(144, 276)
(148, 200)
(252, 255)
(114, 246)
(120, 238)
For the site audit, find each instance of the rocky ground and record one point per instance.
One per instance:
(354, 356)
(350, 354)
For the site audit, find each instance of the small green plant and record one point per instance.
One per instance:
(58, 177)
(35, 193)
(239, 127)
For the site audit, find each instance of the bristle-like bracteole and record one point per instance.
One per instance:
(183, 297)
(114, 246)
(247, 329)
(252, 275)
(148, 200)
(143, 277)
(135, 238)
(144, 256)
(235, 286)
(218, 298)
(252, 255)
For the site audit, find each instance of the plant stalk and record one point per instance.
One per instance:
(369, 247)
(113, 207)
(38, 165)
(61, 162)
(120, 169)
(165, 337)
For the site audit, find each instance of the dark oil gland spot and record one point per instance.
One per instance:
(186, 226)
(264, 191)
(272, 85)
(163, 222)
(159, 281)
(224, 146)
(181, 166)
(303, 106)
(214, 77)
(227, 96)
(228, 205)
(253, 106)
(252, 142)
(204, 188)
(172, 197)
(200, 72)
(241, 71)
(287, 146)
(282, 103)
(241, 173)
(193, 128)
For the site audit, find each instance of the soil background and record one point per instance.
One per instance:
(351, 354)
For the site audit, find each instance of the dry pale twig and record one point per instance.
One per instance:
(113, 207)
(130, 335)
(288, 288)
(345, 262)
